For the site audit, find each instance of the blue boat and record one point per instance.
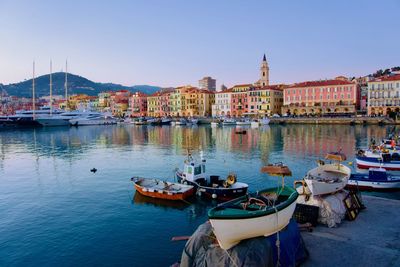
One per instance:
(377, 179)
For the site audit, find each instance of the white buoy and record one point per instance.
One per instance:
(214, 196)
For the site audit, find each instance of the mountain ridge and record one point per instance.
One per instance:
(76, 85)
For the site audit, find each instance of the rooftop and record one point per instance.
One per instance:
(395, 77)
(320, 83)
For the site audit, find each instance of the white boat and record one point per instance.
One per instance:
(255, 124)
(327, 178)
(229, 121)
(194, 120)
(181, 121)
(259, 214)
(264, 121)
(94, 119)
(63, 118)
(214, 124)
(243, 122)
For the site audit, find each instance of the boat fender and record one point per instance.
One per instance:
(231, 179)
(214, 196)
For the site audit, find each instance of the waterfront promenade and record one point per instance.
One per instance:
(335, 120)
(373, 239)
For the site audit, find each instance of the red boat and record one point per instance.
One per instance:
(161, 189)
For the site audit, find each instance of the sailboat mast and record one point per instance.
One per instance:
(66, 83)
(51, 89)
(33, 90)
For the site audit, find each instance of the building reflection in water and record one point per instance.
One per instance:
(257, 143)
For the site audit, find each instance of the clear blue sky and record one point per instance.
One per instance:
(171, 43)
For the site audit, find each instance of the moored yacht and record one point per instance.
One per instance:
(94, 119)
(63, 118)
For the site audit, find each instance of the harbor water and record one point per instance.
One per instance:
(56, 212)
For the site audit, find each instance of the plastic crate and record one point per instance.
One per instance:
(306, 214)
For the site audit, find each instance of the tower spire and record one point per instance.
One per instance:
(264, 58)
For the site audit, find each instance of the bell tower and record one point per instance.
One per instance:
(264, 80)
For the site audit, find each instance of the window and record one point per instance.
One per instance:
(197, 170)
(189, 170)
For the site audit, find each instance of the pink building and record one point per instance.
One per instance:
(239, 99)
(336, 96)
(138, 104)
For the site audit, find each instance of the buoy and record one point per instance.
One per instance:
(350, 163)
(214, 196)
(94, 170)
(199, 193)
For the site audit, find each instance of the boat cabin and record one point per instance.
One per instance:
(377, 174)
(193, 170)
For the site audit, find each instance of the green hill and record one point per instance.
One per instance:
(76, 85)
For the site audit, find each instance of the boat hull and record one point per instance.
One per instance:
(230, 231)
(53, 122)
(368, 162)
(218, 193)
(91, 122)
(321, 180)
(163, 193)
(374, 185)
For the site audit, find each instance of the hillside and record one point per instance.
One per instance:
(76, 85)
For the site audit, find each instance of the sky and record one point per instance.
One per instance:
(177, 42)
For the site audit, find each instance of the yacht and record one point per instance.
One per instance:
(94, 118)
(63, 118)
(30, 117)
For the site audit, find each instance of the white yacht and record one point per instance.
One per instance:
(94, 119)
(63, 118)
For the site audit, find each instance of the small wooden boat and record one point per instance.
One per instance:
(161, 189)
(328, 178)
(261, 214)
(376, 179)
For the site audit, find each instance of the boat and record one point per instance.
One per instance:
(94, 119)
(7, 122)
(328, 178)
(155, 188)
(388, 159)
(263, 213)
(376, 179)
(29, 118)
(181, 121)
(194, 120)
(243, 122)
(210, 186)
(229, 121)
(165, 121)
(140, 121)
(63, 119)
(264, 121)
(255, 123)
(215, 123)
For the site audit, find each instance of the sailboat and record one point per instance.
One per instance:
(29, 118)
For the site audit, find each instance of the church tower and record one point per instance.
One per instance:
(264, 81)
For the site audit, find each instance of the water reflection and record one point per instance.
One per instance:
(304, 140)
(139, 199)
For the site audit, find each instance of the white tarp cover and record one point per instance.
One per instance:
(331, 207)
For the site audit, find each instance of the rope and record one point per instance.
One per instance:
(278, 241)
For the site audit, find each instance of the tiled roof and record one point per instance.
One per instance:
(320, 83)
(395, 77)
(243, 85)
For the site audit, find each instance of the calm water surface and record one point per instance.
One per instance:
(55, 212)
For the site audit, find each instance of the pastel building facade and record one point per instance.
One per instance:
(384, 95)
(337, 96)
(138, 104)
(267, 100)
(239, 103)
(222, 106)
